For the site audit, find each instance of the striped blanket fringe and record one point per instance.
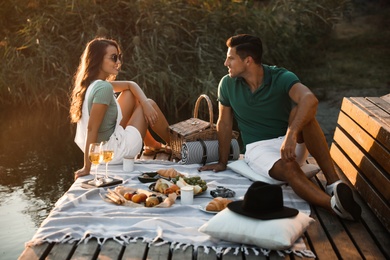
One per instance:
(157, 241)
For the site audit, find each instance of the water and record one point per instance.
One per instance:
(37, 161)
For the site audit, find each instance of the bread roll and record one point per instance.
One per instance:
(152, 201)
(169, 173)
(218, 204)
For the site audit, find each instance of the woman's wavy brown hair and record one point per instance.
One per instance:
(87, 72)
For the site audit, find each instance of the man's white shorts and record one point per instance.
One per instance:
(262, 155)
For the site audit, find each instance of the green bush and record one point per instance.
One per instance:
(173, 49)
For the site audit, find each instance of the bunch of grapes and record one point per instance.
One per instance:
(194, 180)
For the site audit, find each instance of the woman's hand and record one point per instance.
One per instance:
(81, 172)
(150, 113)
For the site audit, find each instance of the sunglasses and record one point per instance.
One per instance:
(116, 57)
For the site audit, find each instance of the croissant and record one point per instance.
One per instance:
(169, 173)
(218, 204)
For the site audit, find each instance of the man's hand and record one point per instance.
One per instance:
(216, 167)
(287, 150)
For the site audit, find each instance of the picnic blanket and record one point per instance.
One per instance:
(81, 214)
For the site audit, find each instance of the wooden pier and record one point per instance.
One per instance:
(330, 237)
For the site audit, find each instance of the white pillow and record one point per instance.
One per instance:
(241, 167)
(275, 234)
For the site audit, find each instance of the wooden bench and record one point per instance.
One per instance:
(361, 149)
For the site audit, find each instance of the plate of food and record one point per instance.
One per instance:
(173, 186)
(203, 208)
(153, 176)
(132, 197)
(215, 205)
(164, 186)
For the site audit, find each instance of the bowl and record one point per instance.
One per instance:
(146, 177)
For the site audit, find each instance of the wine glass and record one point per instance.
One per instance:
(108, 154)
(95, 156)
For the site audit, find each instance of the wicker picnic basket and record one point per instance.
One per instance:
(194, 129)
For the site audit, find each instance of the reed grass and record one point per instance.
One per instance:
(174, 49)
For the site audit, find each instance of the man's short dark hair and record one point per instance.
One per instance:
(247, 45)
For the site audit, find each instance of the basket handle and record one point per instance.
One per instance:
(210, 105)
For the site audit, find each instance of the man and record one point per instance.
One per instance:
(275, 113)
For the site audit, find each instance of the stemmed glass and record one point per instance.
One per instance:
(108, 154)
(95, 156)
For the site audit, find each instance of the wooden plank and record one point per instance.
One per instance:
(202, 255)
(326, 219)
(231, 256)
(367, 121)
(370, 170)
(145, 157)
(110, 250)
(158, 156)
(62, 251)
(330, 230)
(373, 199)
(359, 232)
(87, 250)
(163, 156)
(371, 238)
(382, 104)
(386, 98)
(241, 255)
(363, 241)
(159, 252)
(370, 221)
(135, 250)
(378, 152)
(35, 252)
(179, 254)
(305, 240)
(273, 255)
(342, 244)
(318, 239)
(378, 110)
(252, 256)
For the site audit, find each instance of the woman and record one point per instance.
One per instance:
(123, 121)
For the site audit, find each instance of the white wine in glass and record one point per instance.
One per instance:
(95, 156)
(108, 154)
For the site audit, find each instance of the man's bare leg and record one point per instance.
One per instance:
(291, 173)
(316, 144)
(342, 202)
(315, 141)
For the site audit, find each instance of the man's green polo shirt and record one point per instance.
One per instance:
(263, 114)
